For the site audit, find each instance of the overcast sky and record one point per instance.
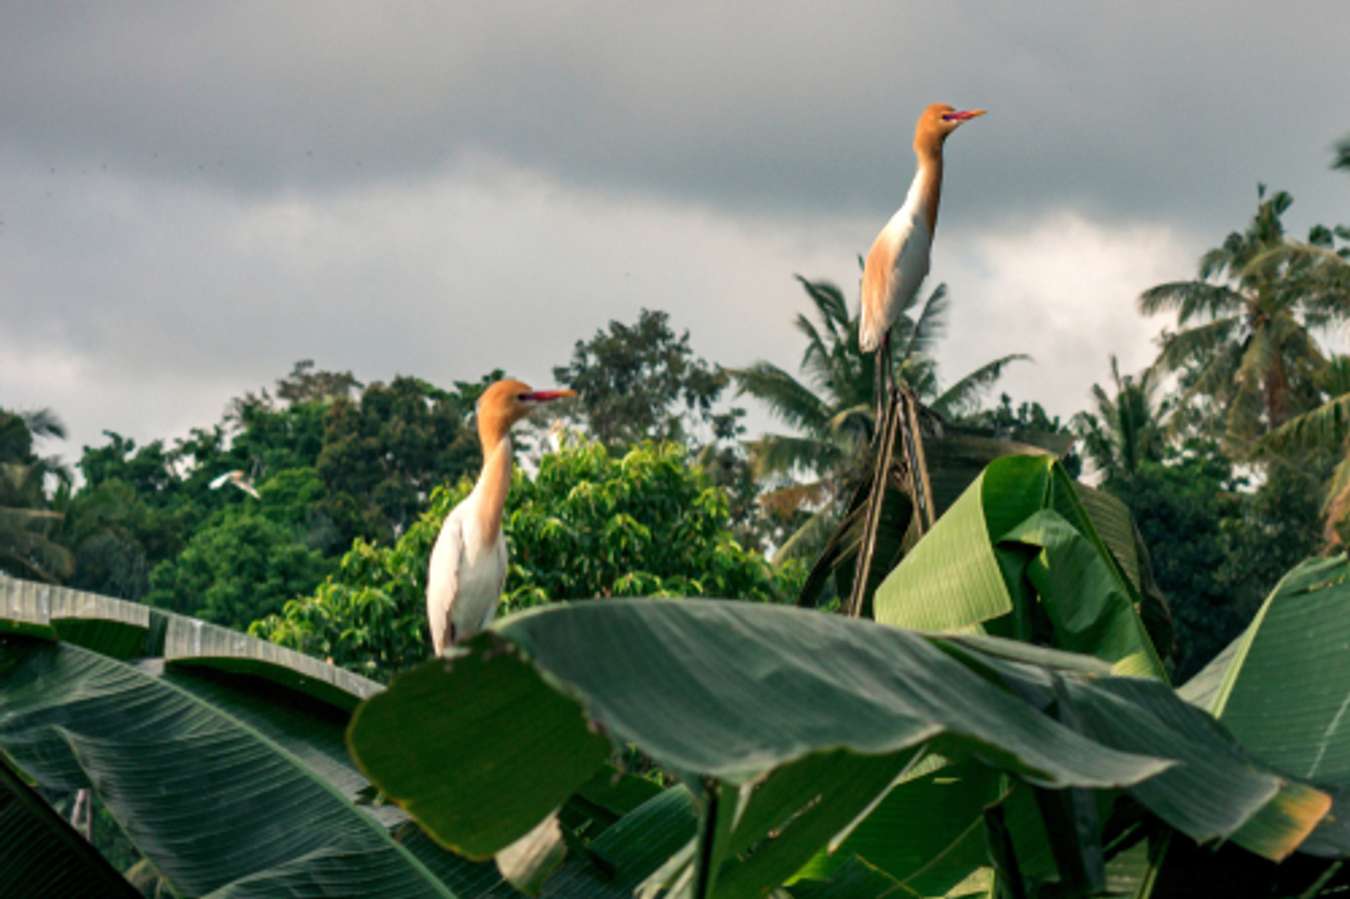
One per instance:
(193, 198)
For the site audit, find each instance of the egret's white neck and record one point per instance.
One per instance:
(493, 482)
(925, 191)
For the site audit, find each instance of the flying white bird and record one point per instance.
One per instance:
(238, 479)
(898, 261)
(468, 562)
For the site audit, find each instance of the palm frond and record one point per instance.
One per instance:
(44, 423)
(786, 397)
(965, 393)
(931, 324)
(1326, 427)
(1181, 348)
(786, 454)
(829, 300)
(806, 541)
(1191, 299)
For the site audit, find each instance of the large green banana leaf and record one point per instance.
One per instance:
(792, 725)
(223, 760)
(955, 458)
(44, 856)
(1019, 556)
(1283, 687)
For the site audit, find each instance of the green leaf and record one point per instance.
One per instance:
(473, 783)
(44, 856)
(803, 719)
(1283, 687)
(110, 626)
(213, 802)
(1018, 556)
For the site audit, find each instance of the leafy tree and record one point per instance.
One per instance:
(1247, 324)
(1277, 525)
(590, 524)
(833, 409)
(239, 567)
(117, 536)
(1127, 428)
(644, 382)
(1180, 506)
(148, 470)
(382, 454)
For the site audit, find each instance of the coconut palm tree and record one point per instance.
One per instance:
(831, 408)
(1126, 428)
(1326, 429)
(26, 547)
(1247, 325)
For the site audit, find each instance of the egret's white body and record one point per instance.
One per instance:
(468, 562)
(898, 261)
(468, 565)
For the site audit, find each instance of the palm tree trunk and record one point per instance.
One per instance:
(1277, 395)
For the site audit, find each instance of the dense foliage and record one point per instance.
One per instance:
(588, 524)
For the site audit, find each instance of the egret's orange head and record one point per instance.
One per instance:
(939, 120)
(506, 402)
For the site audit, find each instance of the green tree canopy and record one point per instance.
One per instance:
(590, 524)
(236, 569)
(645, 382)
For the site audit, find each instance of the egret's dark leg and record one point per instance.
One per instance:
(879, 393)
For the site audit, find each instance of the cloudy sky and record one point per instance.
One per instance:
(193, 198)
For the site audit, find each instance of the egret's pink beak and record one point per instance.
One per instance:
(963, 115)
(544, 396)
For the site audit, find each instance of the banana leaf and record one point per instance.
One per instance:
(1283, 688)
(789, 726)
(223, 759)
(1019, 556)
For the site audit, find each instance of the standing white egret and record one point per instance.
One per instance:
(898, 261)
(468, 562)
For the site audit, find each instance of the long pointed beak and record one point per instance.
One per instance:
(544, 396)
(964, 115)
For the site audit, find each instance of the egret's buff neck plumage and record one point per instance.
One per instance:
(495, 478)
(928, 141)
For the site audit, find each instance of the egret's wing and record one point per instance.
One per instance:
(876, 287)
(896, 266)
(447, 558)
(502, 564)
(247, 488)
(911, 267)
(217, 482)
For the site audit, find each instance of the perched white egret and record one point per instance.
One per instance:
(898, 261)
(468, 562)
(238, 479)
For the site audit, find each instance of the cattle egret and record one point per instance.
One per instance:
(898, 261)
(238, 479)
(468, 562)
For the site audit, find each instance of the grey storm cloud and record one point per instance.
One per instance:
(193, 196)
(1117, 109)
